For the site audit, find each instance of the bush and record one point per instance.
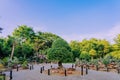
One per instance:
(106, 61)
(94, 61)
(25, 65)
(5, 61)
(14, 62)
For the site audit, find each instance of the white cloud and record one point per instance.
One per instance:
(110, 34)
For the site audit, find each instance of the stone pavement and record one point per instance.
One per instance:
(36, 75)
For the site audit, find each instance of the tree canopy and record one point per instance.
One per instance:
(60, 51)
(25, 43)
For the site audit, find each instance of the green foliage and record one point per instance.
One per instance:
(85, 56)
(108, 56)
(15, 60)
(24, 32)
(25, 65)
(27, 50)
(60, 51)
(5, 61)
(5, 47)
(106, 61)
(58, 43)
(94, 61)
(2, 41)
(92, 53)
(115, 54)
(49, 38)
(115, 47)
(75, 47)
(28, 44)
(60, 54)
(93, 48)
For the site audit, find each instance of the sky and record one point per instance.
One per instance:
(70, 19)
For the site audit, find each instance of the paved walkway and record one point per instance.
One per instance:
(36, 75)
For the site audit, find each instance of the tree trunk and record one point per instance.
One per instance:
(60, 64)
(13, 47)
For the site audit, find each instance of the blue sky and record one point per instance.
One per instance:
(70, 19)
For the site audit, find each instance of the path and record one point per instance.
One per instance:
(36, 75)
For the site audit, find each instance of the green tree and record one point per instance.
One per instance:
(100, 47)
(115, 54)
(92, 53)
(60, 52)
(27, 50)
(24, 32)
(85, 56)
(49, 37)
(75, 47)
(24, 36)
(104, 48)
(7, 47)
(2, 48)
(38, 44)
(115, 47)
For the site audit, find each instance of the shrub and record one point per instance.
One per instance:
(94, 61)
(5, 61)
(25, 65)
(106, 61)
